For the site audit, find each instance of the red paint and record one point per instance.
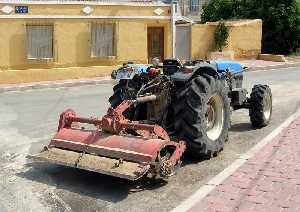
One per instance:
(110, 139)
(127, 147)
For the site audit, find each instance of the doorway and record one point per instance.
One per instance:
(183, 42)
(155, 43)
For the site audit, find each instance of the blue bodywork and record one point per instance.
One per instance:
(129, 71)
(223, 65)
(139, 68)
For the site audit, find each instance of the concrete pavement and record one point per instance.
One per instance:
(254, 65)
(29, 119)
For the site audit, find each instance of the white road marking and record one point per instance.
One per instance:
(218, 179)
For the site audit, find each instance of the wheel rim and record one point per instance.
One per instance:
(267, 107)
(214, 117)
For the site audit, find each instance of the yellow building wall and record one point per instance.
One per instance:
(12, 43)
(72, 43)
(72, 37)
(132, 40)
(244, 39)
(202, 38)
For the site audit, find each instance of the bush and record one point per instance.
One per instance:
(217, 10)
(221, 36)
(281, 20)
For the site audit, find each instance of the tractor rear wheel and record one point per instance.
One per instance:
(202, 115)
(260, 111)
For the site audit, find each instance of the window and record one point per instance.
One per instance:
(194, 5)
(39, 42)
(102, 40)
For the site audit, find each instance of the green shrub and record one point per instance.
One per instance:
(296, 53)
(281, 20)
(221, 36)
(217, 10)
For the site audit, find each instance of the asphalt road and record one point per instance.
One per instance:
(29, 119)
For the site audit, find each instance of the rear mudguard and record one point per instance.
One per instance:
(212, 68)
(199, 68)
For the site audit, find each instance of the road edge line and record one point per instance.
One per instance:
(203, 191)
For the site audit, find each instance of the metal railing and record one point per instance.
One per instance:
(190, 7)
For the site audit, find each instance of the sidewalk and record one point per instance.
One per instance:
(255, 65)
(269, 181)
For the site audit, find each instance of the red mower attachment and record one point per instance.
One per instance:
(118, 147)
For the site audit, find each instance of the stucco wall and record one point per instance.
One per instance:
(201, 40)
(244, 39)
(71, 44)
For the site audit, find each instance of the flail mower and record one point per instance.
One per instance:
(157, 113)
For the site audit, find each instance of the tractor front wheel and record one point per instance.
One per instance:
(260, 111)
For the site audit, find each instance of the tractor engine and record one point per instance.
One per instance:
(154, 111)
(139, 81)
(157, 109)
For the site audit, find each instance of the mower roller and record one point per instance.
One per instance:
(109, 149)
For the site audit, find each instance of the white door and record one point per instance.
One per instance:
(183, 42)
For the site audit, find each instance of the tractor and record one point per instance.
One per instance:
(195, 100)
(159, 112)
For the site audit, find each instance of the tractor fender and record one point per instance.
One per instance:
(205, 68)
(200, 68)
(135, 70)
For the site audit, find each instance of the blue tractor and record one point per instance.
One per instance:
(193, 101)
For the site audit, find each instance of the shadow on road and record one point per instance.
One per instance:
(95, 185)
(241, 127)
(91, 184)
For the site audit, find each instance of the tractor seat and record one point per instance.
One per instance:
(171, 66)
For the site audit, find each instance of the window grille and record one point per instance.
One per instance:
(102, 40)
(39, 42)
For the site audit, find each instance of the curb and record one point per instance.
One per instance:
(55, 84)
(264, 68)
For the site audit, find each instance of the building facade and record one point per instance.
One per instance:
(192, 8)
(65, 33)
(39, 34)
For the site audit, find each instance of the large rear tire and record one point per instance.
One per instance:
(260, 111)
(124, 90)
(202, 115)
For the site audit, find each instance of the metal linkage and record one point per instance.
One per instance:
(114, 122)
